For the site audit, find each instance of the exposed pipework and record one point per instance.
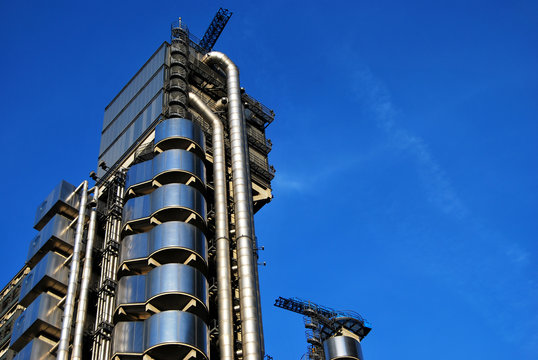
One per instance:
(248, 288)
(254, 239)
(67, 320)
(224, 294)
(85, 284)
(221, 104)
(105, 304)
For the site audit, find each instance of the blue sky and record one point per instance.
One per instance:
(405, 145)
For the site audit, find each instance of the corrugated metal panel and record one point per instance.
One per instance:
(133, 132)
(136, 83)
(130, 112)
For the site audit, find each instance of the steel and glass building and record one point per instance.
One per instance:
(156, 257)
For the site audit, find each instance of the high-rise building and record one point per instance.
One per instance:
(157, 259)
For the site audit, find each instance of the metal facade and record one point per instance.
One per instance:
(170, 271)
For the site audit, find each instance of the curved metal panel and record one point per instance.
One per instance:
(49, 274)
(177, 234)
(60, 200)
(169, 237)
(35, 350)
(167, 196)
(43, 315)
(177, 159)
(178, 195)
(128, 338)
(131, 290)
(176, 278)
(180, 128)
(136, 208)
(166, 287)
(183, 330)
(56, 235)
(176, 327)
(135, 247)
(342, 347)
(167, 161)
(139, 173)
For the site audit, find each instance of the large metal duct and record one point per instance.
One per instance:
(85, 284)
(248, 288)
(224, 294)
(63, 348)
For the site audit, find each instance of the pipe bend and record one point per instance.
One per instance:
(224, 290)
(251, 332)
(222, 59)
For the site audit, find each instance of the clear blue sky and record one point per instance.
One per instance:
(405, 145)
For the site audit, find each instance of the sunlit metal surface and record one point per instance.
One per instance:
(56, 235)
(167, 162)
(169, 196)
(166, 335)
(128, 338)
(49, 274)
(84, 295)
(222, 234)
(42, 316)
(36, 349)
(59, 200)
(172, 241)
(131, 290)
(166, 287)
(251, 330)
(342, 347)
(180, 129)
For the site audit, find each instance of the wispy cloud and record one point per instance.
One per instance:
(439, 189)
(309, 181)
(469, 264)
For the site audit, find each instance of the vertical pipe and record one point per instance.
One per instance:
(248, 294)
(85, 284)
(111, 272)
(224, 274)
(67, 319)
(254, 239)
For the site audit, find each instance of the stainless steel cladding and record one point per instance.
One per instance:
(183, 131)
(342, 347)
(82, 308)
(171, 196)
(60, 200)
(56, 235)
(164, 167)
(222, 235)
(162, 300)
(166, 287)
(43, 317)
(36, 349)
(50, 274)
(168, 242)
(251, 325)
(135, 109)
(166, 335)
(69, 308)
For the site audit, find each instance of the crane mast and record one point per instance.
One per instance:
(215, 29)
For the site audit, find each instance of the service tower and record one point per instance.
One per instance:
(156, 257)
